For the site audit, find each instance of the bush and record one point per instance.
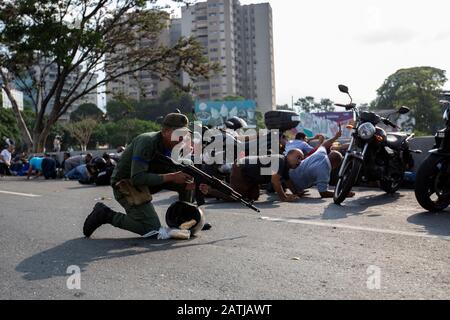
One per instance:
(124, 131)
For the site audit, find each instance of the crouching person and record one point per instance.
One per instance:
(251, 172)
(136, 176)
(316, 171)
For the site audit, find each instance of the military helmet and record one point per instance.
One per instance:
(181, 212)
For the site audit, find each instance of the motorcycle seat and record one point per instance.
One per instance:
(395, 139)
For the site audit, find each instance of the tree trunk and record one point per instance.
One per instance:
(25, 133)
(40, 139)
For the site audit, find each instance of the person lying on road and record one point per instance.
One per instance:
(249, 173)
(316, 170)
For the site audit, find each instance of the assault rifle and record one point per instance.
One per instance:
(201, 177)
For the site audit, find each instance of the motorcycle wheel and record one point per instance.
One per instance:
(347, 181)
(431, 189)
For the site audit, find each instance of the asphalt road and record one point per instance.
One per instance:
(373, 247)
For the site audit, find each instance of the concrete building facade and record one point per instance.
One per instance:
(49, 77)
(240, 39)
(144, 85)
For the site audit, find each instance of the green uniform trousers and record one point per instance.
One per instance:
(143, 219)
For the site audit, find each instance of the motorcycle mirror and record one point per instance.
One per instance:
(404, 110)
(343, 89)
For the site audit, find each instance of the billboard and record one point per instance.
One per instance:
(215, 113)
(326, 123)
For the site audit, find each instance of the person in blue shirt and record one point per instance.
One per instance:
(302, 143)
(316, 169)
(36, 166)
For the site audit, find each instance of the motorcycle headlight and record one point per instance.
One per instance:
(366, 131)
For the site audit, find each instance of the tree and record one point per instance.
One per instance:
(284, 107)
(82, 131)
(74, 38)
(124, 131)
(418, 88)
(9, 128)
(170, 100)
(86, 110)
(232, 98)
(309, 105)
(118, 109)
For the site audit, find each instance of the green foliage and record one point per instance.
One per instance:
(170, 100)
(124, 131)
(418, 88)
(284, 107)
(232, 98)
(74, 37)
(86, 110)
(112, 133)
(81, 131)
(309, 104)
(260, 124)
(8, 125)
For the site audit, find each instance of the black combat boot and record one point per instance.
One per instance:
(99, 216)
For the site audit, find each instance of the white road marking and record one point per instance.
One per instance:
(29, 195)
(357, 228)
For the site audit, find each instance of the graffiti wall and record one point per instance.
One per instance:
(215, 113)
(326, 123)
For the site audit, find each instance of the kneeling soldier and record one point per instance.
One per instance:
(138, 175)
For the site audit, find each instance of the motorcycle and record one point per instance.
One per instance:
(374, 155)
(433, 177)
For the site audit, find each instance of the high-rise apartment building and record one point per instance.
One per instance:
(256, 67)
(240, 39)
(50, 74)
(144, 85)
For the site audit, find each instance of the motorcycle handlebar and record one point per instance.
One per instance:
(346, 106)
(390, 123)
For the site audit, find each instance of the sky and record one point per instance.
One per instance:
(322, 43)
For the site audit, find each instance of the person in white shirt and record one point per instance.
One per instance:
(5, 160)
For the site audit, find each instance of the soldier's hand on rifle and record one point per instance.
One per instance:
(179, 178)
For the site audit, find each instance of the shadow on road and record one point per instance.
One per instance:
(81, 252)
(437, 224)
(357, 206)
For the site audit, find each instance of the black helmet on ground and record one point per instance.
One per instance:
(182, 212)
